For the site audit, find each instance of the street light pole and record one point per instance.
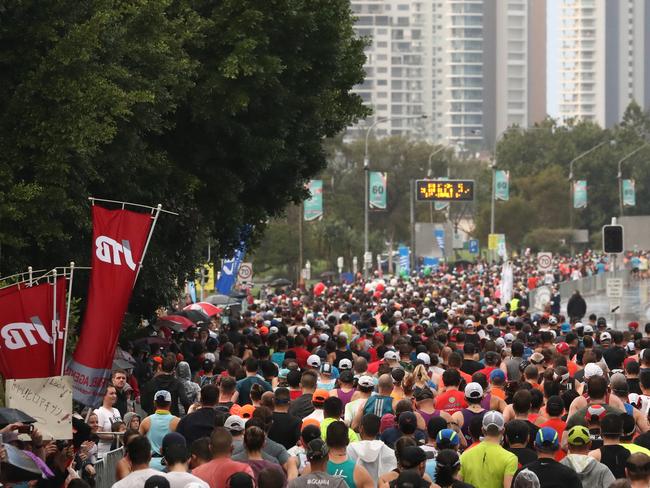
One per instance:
(573, 161)
(620, 175)
(430, 174)
(366, 169)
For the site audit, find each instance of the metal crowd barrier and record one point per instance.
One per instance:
(105, 468)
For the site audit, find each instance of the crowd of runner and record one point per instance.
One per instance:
(406, 383)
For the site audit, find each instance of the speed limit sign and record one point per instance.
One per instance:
(245, 274)
(544, 261)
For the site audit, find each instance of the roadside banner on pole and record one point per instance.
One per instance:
(502, 185)
(313, 206)
(493, 242)
(501, 247)
(404, 261)
(377, 182)
(230, 271)
(439, 235)
(31, 336)
(629, 194)
(48, 400)
(119, 241)
(580, 194)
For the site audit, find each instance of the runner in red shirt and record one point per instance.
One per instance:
(452, 400)
(301, 353)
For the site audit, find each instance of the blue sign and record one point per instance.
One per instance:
(430, 262)
(347, 278)
(439, 234)
(404, 261)
(473, 246)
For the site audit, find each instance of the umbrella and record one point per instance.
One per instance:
(19, 466)
(122, 364)
(154, 340)
(280, 282)
(174, 322)
(221, 300)
(13, 415)
(195, 316)
(207, 308)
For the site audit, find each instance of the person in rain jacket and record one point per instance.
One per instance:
(184, 373)
(372, 454)
(576, 307)
(592, 473)
(165, 380)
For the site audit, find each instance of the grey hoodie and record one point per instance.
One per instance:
(192, 390)
(591, 473)
(375, 456)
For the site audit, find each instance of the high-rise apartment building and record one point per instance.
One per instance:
(474, 67)
(604, 58)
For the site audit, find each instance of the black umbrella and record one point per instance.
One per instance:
(280, 282)
(195, 316)
(154, 340)
(13, 415)
(122, 364)
(19, 466)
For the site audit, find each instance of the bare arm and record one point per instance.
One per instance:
(357, 417)
(291, 468)
(507, 481)
(362, 478)
(641, 421)
(145, 425)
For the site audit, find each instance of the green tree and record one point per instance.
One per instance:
(215, 109)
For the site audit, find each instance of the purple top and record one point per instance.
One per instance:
(345, 397)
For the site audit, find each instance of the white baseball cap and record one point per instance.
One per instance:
(588, 329)
(313, 361)
(163, 396)
(390, 356)
(234, 423)
(424, 357)
(473, 390)
(366, 381)
(605, 336)
(345, 363)
(592, 369)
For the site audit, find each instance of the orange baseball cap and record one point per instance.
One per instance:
(307, 422)
(320, 396)
(264, 330)
(247, 411)
(235, 410)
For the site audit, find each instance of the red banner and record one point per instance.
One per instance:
(119, 239)
(31, 337)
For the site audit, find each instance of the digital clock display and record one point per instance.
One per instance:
(444, 190)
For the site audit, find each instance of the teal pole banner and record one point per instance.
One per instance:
(580, 194)
(629, 194)
(377, 190)
(502, 185)
(314, 204)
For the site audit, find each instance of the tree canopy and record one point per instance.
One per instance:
(536, 216)
(217, 110)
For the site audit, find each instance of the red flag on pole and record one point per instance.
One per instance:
(119, 242)
(31, 336)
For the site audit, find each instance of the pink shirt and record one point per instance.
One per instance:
(217, 471)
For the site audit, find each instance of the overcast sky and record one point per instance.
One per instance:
(553, 58)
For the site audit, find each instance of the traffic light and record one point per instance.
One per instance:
(613, 239)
